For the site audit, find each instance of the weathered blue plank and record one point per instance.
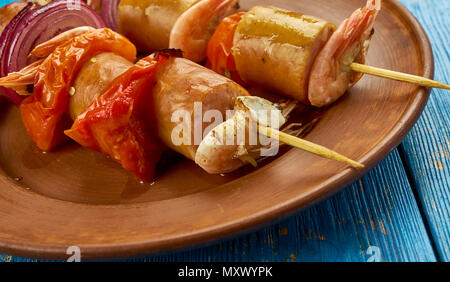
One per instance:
(378, 211)
(427, 147)
(376, 218)
(4, 2)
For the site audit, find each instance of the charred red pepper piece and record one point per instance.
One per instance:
(44, 113)
(220, 58)
(120, 123)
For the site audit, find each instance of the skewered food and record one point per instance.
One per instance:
(279, 49)
(120, 121)
(112, 100)
(94, 78)
(126, 110)
(35, 24)
(331, 74)
(300, 56)
(44, 114)
(150, 23)
(130, 114)
(226, 147)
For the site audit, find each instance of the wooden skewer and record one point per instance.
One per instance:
(398, 76)
(306, 145)
(327, 153)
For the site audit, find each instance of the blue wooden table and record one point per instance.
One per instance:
(399, 211)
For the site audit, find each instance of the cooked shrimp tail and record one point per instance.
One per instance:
(222, 151)
(227, 148)
(19, 81)
(46, 48)
(194, 28)
(331, 74)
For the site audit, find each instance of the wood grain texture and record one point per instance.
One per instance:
(378, 211)
(427, 147)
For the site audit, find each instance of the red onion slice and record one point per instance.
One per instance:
(34, 26)
(7, 33)
(95, 4)
(109, 13)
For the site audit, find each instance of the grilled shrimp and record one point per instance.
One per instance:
(181, 84)
(23, 77)
(194, 28)
(234, 143)
(331, 75)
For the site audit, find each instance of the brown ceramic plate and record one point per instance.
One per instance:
(75, 196)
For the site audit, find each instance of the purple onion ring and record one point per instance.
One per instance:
(33, 26)
(109, 13)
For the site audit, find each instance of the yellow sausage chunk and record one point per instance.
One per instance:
(276, 48)
(148, 23)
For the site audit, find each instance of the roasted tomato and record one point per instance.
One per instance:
(44, 114)
(121, 123)
(219, 55)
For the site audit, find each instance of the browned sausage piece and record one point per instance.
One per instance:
(181, 83)
(94, 78)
